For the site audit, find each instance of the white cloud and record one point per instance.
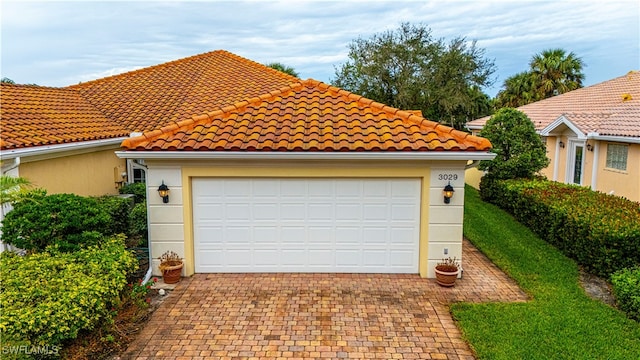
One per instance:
(62, 43)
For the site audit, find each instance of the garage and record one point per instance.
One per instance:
(357, 225)
(307, 178)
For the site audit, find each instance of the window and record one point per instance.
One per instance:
(617, 156)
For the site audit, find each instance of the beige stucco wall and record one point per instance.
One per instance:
(86, 174)
(171, 225)
(621, 183)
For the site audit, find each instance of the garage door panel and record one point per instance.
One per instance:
(320, 189)
(268, 257)
(348, 211)
(237, 235)
(374, 235)
(377, 212)
(404, 212)
(266, 236)
(267, 187)
(306, 225)
(236, 211)
(293, 211)
(345, 235)
(375, 190)
(294, 257)
(377, 258)
(348, 189)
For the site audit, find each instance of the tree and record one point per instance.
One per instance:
(409, 69)
(12, 189)
(283, 68)
(520, 151)
(552, 72)
(6, 80)
(556, 72)
(518, 90)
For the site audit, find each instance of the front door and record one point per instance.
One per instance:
(575, 162)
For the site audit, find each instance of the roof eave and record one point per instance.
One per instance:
(57, 148)
(267, 155)
(612, 138)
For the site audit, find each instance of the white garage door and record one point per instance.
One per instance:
(306, 225)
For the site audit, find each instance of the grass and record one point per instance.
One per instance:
(560, 322)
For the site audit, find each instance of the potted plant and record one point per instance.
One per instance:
(171, 267)
(447, 272)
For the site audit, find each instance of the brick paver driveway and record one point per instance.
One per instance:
(305, 316)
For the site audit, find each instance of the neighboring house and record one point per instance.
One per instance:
(59, 141)
(268, 173)
(592, 136)
(63, 139)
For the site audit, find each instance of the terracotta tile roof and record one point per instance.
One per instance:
(307, 116)
(35, 115)
(609, 108)
(152, 97)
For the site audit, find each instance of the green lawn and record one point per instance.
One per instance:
(560, 322)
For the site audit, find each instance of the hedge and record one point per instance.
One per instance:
(71, 221)
(139, 190)
(49, 297)
(601, 232)
(118, 209)
(626, 288)
(68, 220)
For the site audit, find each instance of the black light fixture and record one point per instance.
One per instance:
(163, 191)
(448, 193)
(589, 147)
(561, 144)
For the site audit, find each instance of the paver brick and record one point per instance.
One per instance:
(287, 316)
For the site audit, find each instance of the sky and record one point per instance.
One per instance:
(62, 43)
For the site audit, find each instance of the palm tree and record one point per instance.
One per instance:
(556, 72)
(283, 68)
(12, 189)
(519, 90)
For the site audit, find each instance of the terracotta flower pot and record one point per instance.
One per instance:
(446, 278)
(171, 271)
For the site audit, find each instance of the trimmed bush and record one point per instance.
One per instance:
(138, 221)
(118, 209)
(67, 220)
(49, 297)
(137, 189)
(626, 288)
(601, 232)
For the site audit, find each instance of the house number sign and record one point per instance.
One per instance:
(448, 177)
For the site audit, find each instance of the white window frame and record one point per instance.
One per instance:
(135, 164)
(573, 144)
(611, 162)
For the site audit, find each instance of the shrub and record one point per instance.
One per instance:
(118, 209)
(626, 288)
(68, 220)
(138, 221)
(601, 232)
(49, 297)
(137, 189)
(520, 151)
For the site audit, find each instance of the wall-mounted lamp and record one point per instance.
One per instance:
(163, 191)
(448, 193)
(589, 147)
(561, 144)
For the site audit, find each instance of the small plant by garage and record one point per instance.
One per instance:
(171, 267)
(447, 271)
